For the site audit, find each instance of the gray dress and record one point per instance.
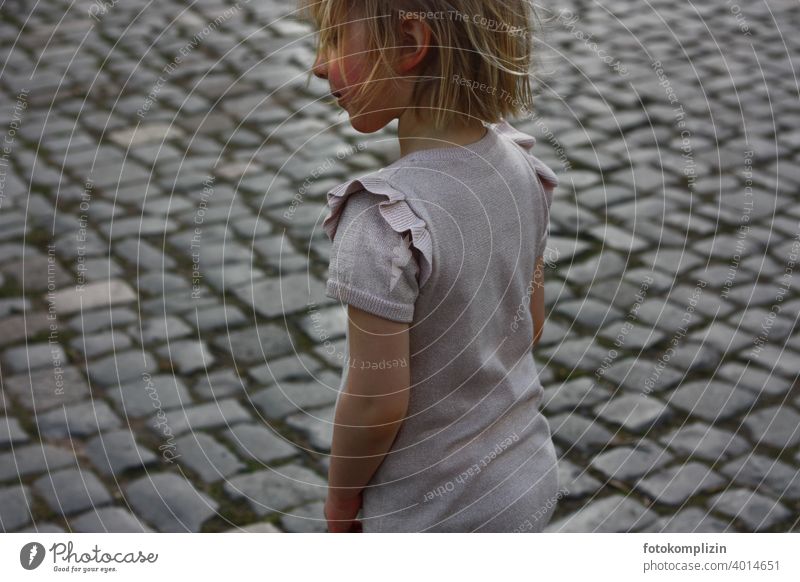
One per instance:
(447, 239)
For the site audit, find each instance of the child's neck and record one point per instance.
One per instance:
(418, 133)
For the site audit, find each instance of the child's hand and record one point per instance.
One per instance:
(341, 514)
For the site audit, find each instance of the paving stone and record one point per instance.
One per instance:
(640, 375)
(692, 357)
(144, 396)
(322, 325)
(38, 272)
(579, 433)
(576, 482)
(101, 293)
(101, 343)
(33, 356)
(277, 489)
(290, 397)
(777, 426)
(762, 473)
(617, 238)
(47, 388)
(43, 527)
(706, 442)
(317, 425)
(100, 319)
(778, 358)
(223, 413)
(159, 329)
(283, 295)
(71, 490)
(294, 367)
(756, 511)
(11, 432)
(723, 337)
(218, 317)
(170, 503)
(205, 456)
(577, 354)
(634, 412)
(691, 520)
(755, 379)
(229, 276)
(254, 345)
(574, 394)
(219, 384)
(32, 459)
(108, 520)
(79, 420)
(589, 312)
(711, 400)
(605, 265)
(115, 452)
(121, 367)
(636, 338)
(661, 313)
(259, 443)
(159, 282)
(757, 320)
(627, 463)
(17, 328)
(15, 510)
(307, 519)
(184, 303)
(615, 514)
(187, 356)
(13, 305)
(265, 527)
(675, 485)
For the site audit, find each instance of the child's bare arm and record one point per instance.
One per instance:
(373, 404)
(537, 300)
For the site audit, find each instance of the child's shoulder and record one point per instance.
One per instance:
(376, 205)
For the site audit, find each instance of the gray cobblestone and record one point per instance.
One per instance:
(755, 510)
(260, 444)
(71, 490)
(675, 485)
(206, 457)
(277, 490)
(108, 519)
(170, 503)
(14, 507)
(692, 520)
(79, 420)
(607, 515)
(115, 452)
(711, 400)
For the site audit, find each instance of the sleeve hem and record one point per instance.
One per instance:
(370, 303)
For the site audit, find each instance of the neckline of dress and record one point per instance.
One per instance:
(453, 152)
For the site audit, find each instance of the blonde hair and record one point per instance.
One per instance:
(479, 65)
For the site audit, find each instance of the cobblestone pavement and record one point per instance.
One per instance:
(169, 357)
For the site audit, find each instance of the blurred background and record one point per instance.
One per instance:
(168, 359)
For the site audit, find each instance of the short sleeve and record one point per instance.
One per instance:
(372, 266)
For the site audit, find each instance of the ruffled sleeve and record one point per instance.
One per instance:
(547, 177)
(374, 231)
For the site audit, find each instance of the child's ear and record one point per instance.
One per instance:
(415, 41)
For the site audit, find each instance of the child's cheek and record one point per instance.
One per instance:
(349, 71)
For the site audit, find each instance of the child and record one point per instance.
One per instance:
(439, 259)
